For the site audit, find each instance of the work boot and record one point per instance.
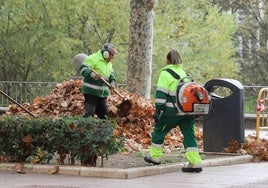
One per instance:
(148, 159)
(191, 169)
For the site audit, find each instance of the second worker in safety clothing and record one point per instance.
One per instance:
(95, 91)
(166, 117)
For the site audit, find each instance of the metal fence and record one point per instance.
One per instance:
(26, 91)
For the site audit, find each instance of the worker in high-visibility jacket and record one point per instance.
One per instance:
(166, 117)
(95, 91)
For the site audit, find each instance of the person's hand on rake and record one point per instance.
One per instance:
(95, 76)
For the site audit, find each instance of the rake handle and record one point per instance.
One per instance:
(17, 103)
(108, 84)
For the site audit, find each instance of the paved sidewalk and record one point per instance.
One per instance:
(229, 172)
(232, 176)
(117, 173)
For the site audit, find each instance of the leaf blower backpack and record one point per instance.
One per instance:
(191, 98)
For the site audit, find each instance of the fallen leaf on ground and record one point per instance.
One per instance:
(19, 168)
(55, 170)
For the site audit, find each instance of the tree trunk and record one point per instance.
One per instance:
(140, 47)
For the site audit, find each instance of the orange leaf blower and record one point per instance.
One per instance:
(192, 99)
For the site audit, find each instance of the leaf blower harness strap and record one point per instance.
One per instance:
(191, 98)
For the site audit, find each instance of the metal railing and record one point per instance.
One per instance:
(25, 92)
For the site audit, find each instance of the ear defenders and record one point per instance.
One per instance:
(106, 49)
(105, 54)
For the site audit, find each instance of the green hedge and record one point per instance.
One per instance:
(81, 138)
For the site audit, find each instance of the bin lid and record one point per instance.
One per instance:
(232, 84)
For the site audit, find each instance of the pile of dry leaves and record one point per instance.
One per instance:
(137, 126)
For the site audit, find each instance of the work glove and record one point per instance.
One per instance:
(156, 115)
(95, 76)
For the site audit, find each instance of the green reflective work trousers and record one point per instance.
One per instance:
(187, 128)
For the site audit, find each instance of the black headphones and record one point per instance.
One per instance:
(106, 50)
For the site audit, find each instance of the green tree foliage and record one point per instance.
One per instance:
(253, 41)
(201, 34)
(251, 38)
(39, 38)
(32, 41)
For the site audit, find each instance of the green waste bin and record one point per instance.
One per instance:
(225, 121)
